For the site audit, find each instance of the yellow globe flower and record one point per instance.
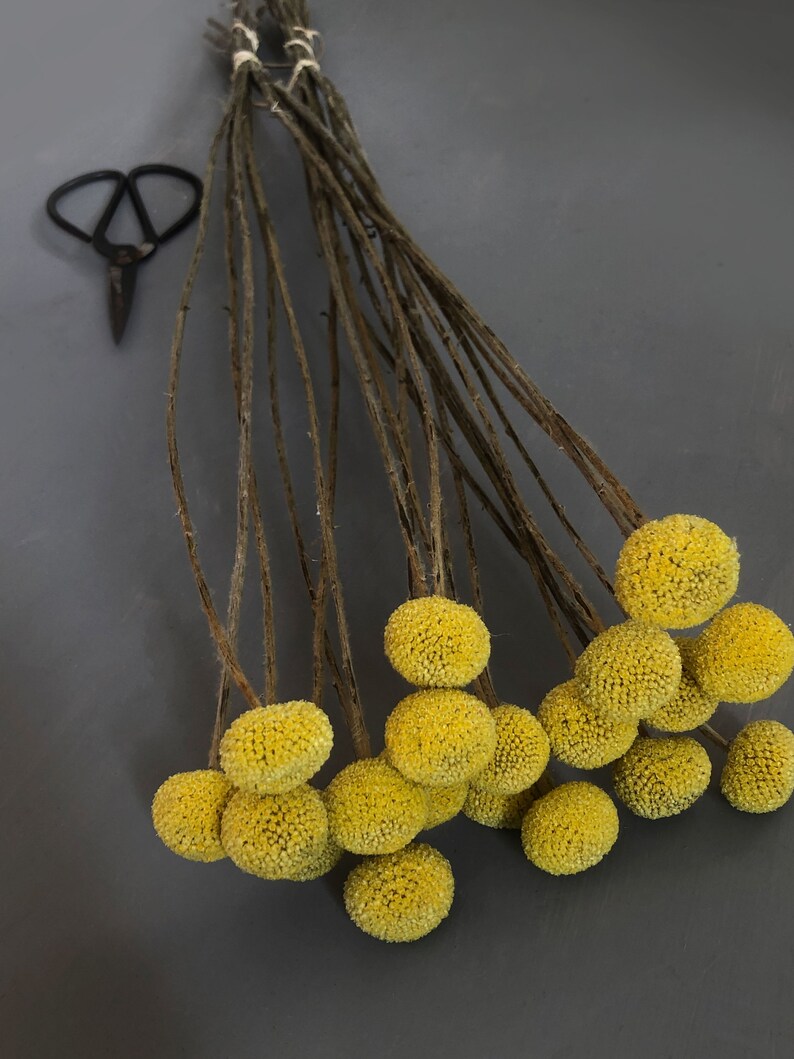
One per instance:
(437, 643)
(187, 811)
(676, 572)
(662, 777)
(275, 836)
(497, 810)
(329, 856)
(570, 829)
(690, 706)
(440, 737)
(373, 808)
(745, 655)
(522, 753)
(443, 803)
(628, 671)
(578, 735)
(400, 896)
(271, 749)
(758, 776)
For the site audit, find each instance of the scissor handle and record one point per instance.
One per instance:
(79, 182)
(140, 209)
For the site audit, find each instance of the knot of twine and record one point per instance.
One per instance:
(304, 38)
(244, 56)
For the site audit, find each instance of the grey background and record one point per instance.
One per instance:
(612, 185)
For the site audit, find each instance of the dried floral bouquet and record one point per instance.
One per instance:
(440, 391)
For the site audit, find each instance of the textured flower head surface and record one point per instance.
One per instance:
(443, 803)
(329, 856)
(570, 829)
(690, 706)
(271, 749)
(662, 777)
(745, 655)
(440, 737)
(578, 735)
(521, 755)
(400, 896)
(497, 810)
(437, 643)
(758, 776)
(275, 836)
(676, 572)
(187, 811)
(629, 671)
(373, 808)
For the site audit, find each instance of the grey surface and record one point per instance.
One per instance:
(612, 183)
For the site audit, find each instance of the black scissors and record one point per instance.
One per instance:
(124, 258)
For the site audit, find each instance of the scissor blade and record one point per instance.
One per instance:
(122, 288)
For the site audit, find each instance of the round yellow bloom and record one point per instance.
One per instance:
(497, 810)
(570, 829)
(629, 671)
(271, 749)
(437, 643)
(522, 753)
(329, 856)
(440, 737)
(275, 836)
(745, 655)
(579, 736)
(443, 803)
(758, 776)
(373, 808)
(676, 572)
(187, 811)
(662, 777)
(690, 706)
(400, 896)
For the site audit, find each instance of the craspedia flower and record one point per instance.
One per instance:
(373, 808)
(578, 735)
(443, 803)
(521, 755)
(690, 706)
(676, 572)
(497, 810)
(187, 811)
(440, 737)
(662, 777)
(275, 836)
(400, 896)
(570, 829)
(329, 856)
(745, 655)
(758, 775)
(271, 749)
(629, 671)
(437, 643)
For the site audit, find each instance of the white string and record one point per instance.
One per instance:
(251, 36)
(244, 56)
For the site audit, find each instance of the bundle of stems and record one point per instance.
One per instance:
(439, 388)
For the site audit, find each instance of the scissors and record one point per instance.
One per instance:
(123, 258)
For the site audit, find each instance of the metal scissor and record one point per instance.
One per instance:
(124, 258)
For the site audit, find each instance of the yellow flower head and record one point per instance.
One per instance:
(745, 655)
(329, 856)
(690, 706)
(275, 836)
(437, 643)
(662, 777)
(443, 803)
(758, 776)
(187, 811)
(497, 810)
(522, 753)
(570, 829)
(372, 808)
(440, 737)
(271, 749)
(676, 572)
(400, 896)
(579, 736)
(629, 671)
